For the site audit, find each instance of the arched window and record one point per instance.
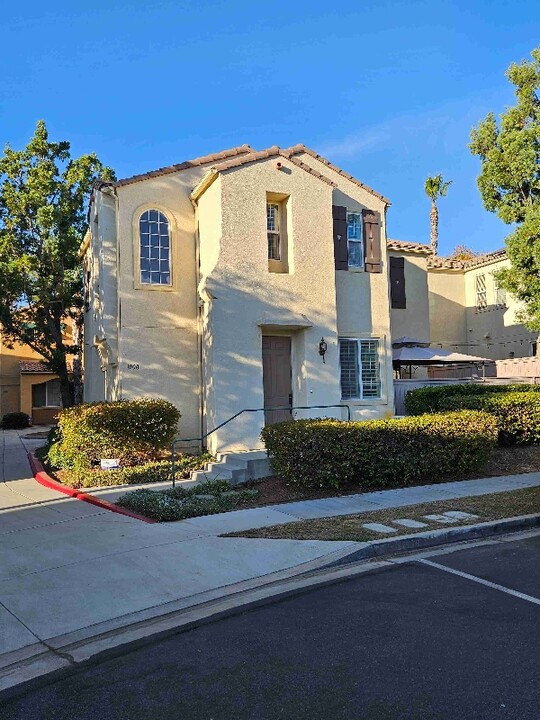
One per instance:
(155, 248)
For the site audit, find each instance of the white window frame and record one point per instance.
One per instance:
(355, 241)
(480, 288)
(500, 294)
(359, 369)
(276, 231)
(47, 387)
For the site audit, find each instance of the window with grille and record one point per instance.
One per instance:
(481, 292)
(155, 248)
(500, 296)
(354, 240)
(273, 230)
(359, 368)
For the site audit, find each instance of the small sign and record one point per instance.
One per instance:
(110, 463)
(133, 366)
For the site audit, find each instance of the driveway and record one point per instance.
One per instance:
(446, 636)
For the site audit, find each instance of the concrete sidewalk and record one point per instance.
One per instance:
(67, 567)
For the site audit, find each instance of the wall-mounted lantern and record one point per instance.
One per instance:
(323, 347)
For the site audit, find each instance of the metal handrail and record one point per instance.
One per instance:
(247, 410)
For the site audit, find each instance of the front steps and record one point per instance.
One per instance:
(235, 467)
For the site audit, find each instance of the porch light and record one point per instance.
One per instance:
(323, 347)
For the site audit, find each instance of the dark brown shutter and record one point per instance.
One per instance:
(372, 241)
(397, 282)
(339, 215)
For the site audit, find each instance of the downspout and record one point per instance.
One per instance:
(199, 308)
(111, 191)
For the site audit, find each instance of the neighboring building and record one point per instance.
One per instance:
(217, 283)
(456, 305)
(26, 385)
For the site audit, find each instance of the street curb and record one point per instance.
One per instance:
(47, 481)
(435, 538)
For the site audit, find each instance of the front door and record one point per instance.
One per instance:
(276, 356)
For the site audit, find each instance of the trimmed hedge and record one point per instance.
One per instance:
(377, 453)
(15, 421)
(517, 414)
(152, 472)
(433, 398)
(134, 431)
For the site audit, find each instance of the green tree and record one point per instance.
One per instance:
(509, 182)
(435, 188)
(43, 206)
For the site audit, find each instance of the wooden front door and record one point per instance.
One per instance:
(276, 356)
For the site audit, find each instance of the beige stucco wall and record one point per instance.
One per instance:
(494, 332)
(447, 318)
(413, 320)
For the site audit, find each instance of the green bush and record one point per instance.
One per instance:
(433, 398)
(517, 414)
(152, 472)
(377, 453)
(134, 431)
(15, 421)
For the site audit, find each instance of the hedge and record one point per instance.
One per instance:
(517, 414)
(433, 398)
(134, 431)
(15, 421)
(379, 453)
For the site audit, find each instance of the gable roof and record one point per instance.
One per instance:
(34, 366)
(196, 162)
(299, 149)
(440, 263)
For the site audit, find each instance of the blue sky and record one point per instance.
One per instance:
(387, 89)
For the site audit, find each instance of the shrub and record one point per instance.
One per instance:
(152, 472)
(330, 453)
(15, 421)
(133, 431)
(433, 398)
(517, 414)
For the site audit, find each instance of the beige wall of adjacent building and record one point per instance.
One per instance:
(413, 320)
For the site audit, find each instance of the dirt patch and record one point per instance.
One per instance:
(350, 527)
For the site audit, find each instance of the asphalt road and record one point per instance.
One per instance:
(411, 641)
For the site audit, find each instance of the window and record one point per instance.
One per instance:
(354, 240)
(359, 369)
(273, 224)
(500, 295)
(154, 239)
(46, 394)
(481, 293)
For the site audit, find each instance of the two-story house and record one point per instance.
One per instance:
(239, 280)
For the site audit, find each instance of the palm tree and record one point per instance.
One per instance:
(435, 188)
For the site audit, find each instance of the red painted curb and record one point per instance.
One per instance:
(44, 479)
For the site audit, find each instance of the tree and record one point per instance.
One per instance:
(509, 182)
(463, 253)
(43, 205)
(435, 188)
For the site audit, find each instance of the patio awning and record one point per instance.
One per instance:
(433, 356)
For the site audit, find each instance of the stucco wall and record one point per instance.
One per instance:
(244, 300)
(494, 332)
(447, 317)
(413, 320)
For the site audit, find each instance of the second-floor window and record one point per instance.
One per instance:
(354, 240)
(273, 228)
(500, 295)
(481, 292)
(155, 248)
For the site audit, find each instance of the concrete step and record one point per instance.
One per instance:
(235, 467)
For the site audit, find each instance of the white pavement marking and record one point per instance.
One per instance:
(380, 528)
(487, 583)
(409, 523)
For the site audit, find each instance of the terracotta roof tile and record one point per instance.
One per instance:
(406, 246)
(449, 264)
(298, 149)
(33, 366)
(494, 256)
(196, 162)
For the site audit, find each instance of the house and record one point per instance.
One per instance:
(456, 305)
(240, 280)
(26, 385)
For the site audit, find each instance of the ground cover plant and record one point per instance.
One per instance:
(388, 453)
(213, 496)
